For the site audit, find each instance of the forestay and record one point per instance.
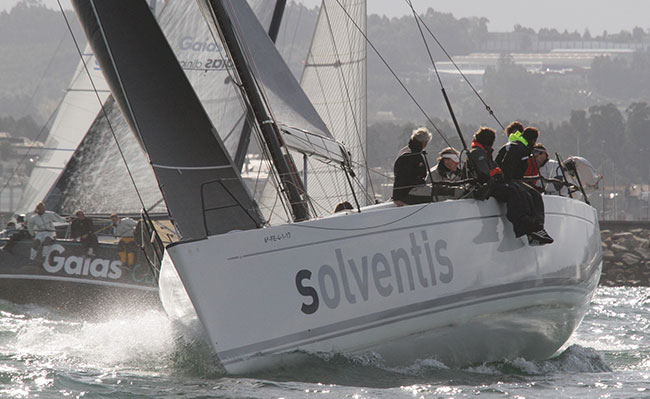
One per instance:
(203, 192)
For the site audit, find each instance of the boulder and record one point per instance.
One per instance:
(623, 235)
(641, 242)
(618, 248)
(630, 259)
(608, 255)
(642, 252)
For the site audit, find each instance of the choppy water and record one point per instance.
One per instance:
(45, 355)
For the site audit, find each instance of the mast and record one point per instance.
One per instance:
(245, 139)
(285, 166)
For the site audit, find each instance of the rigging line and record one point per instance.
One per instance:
(347, 89)
(417, 104)
(444, 92)
(27, 153)
(426, 45)
(487, 107)
(92, 82)
(320, 173)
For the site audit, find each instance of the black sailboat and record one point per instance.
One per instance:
(96, 180)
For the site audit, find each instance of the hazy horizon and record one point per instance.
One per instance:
(574, 15)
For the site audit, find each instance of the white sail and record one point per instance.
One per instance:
(334, 79)
(76, 113)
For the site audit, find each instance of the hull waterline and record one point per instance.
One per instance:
(444, 280)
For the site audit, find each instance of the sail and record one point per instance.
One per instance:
(287, 101)
(97, 181)
(75, 115)
(96, 178)
(334, 79)
(203, 191)
(207, 66)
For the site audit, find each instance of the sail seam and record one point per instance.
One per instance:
(190, 167)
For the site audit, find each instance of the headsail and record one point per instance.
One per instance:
(75, 115)
(203, 192)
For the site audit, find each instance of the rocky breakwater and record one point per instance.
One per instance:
(626, 257)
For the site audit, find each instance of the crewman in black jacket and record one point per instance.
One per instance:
(411, 169)
(82, 229)
(525, 204)
(480, 158)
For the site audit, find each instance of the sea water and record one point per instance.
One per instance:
(142, 355)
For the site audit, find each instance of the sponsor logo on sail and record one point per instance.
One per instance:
(382, 274)
(56, 262)
(191, 43)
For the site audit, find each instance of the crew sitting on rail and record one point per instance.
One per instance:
(41, 227)
(411, 169)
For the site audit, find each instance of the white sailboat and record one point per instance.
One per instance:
(445, 280)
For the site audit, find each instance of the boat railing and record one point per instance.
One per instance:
(151, 243)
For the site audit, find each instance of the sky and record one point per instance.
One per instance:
(574, 15)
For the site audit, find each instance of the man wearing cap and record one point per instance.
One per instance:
(447, 168)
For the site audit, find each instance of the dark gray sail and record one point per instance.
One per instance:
(204, 193)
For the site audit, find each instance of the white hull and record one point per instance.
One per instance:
(444, 280)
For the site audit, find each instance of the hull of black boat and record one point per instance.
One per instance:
(67, 279)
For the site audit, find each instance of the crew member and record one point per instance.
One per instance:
(41, 227)
(411, 170)
(525, 204)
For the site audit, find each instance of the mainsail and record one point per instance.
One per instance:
(203, 191)
(76, 113)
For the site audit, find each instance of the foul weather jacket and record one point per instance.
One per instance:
(512, 158)
(410, 170)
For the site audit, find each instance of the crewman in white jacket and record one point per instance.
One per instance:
(41, 227)
(122, 227)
